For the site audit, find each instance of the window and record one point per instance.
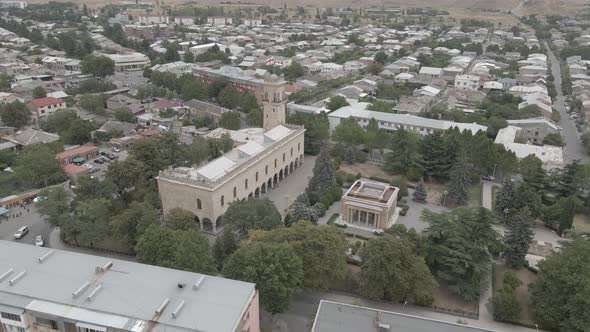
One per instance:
(291, 152)
(283, 157)
(256, 176)
(13, 317)
(266, 170)
(46, 322)
(246, 183)
(222, 200)
(85, 329)
(298, 147)
(199, 206)
(275, 163)
(235, 192)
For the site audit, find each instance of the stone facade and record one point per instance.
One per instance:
(247, 171)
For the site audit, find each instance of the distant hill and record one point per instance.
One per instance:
(520, 7)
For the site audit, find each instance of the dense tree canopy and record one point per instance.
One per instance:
(15, 114)
(250, 214)
(99, 66)
(275, 268)
(560, 296)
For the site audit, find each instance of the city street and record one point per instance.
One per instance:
(573, 149)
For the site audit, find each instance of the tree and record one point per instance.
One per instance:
(15, 114)
(301, 209)
(55, 205)
(37, 165)
(560, 295)
(317, 130)
(505, 197)
(198, 150)
(230, 120)
(495, 124)
(459, 184)
(225, 245)
(391, 271)
(91, 188)
(294, 71)
(566, 207)
(459, 245)
(324, 176)
(349, 132)
(59, 121)
(90, 221)
(99, 66)
(124, 115)
(404, 157)
(177, 249)
(39, 92)
(179, 219)
(132, 222)
(554, 139)
(374, 68)
(506, 305)
(420, 193)
(320, 248)
(336, 102)
(79, 132)
(435, 161)
(380, 57)
(93, 103)
(275, 268)
(531, 169)
(189, 57)
(374, 138)
(517, 238)
(244, 215)
(527, 196)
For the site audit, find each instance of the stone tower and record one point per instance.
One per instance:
(274, 102)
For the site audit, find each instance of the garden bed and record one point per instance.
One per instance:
(449, 302)
(522, 292)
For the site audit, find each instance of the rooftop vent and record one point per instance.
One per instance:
(178, 309)
(45, 256)
(162, 306)
(108, 265)
(93, 293)
(6, 274)
(17, 278)
(199, 282)
(81, 289)
(181, 285)
(384, 327)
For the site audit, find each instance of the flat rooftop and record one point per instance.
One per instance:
(123, 296)
(340, 317)
(371, 191)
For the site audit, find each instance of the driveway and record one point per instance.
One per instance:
(285, 193)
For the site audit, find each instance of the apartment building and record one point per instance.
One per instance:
(394, 121)
(467, 82)
(129, 61)
(49, 290)
(42, 107)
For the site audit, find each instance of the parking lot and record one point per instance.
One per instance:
(102, 168)
(24, 216)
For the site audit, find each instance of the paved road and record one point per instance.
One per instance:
(19, 217)
(573, 149)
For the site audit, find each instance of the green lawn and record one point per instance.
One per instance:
(474, 195)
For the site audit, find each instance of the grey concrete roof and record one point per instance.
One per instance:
(340, 317)
(130, 292)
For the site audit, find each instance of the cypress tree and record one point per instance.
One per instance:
(460, 183)
(420, 193)
(505, 197)
(518, 236)
(324, 176)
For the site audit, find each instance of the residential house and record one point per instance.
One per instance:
(42, 107)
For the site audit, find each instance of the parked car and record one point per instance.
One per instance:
(488, 178)
(39, 241)
(21, 232)
(103, 153)
(87, 165)
(105, 159)
(112, 156)
(116, 149)
(98, 161)
(38, 199)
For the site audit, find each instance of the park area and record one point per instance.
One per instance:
(522, 292)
